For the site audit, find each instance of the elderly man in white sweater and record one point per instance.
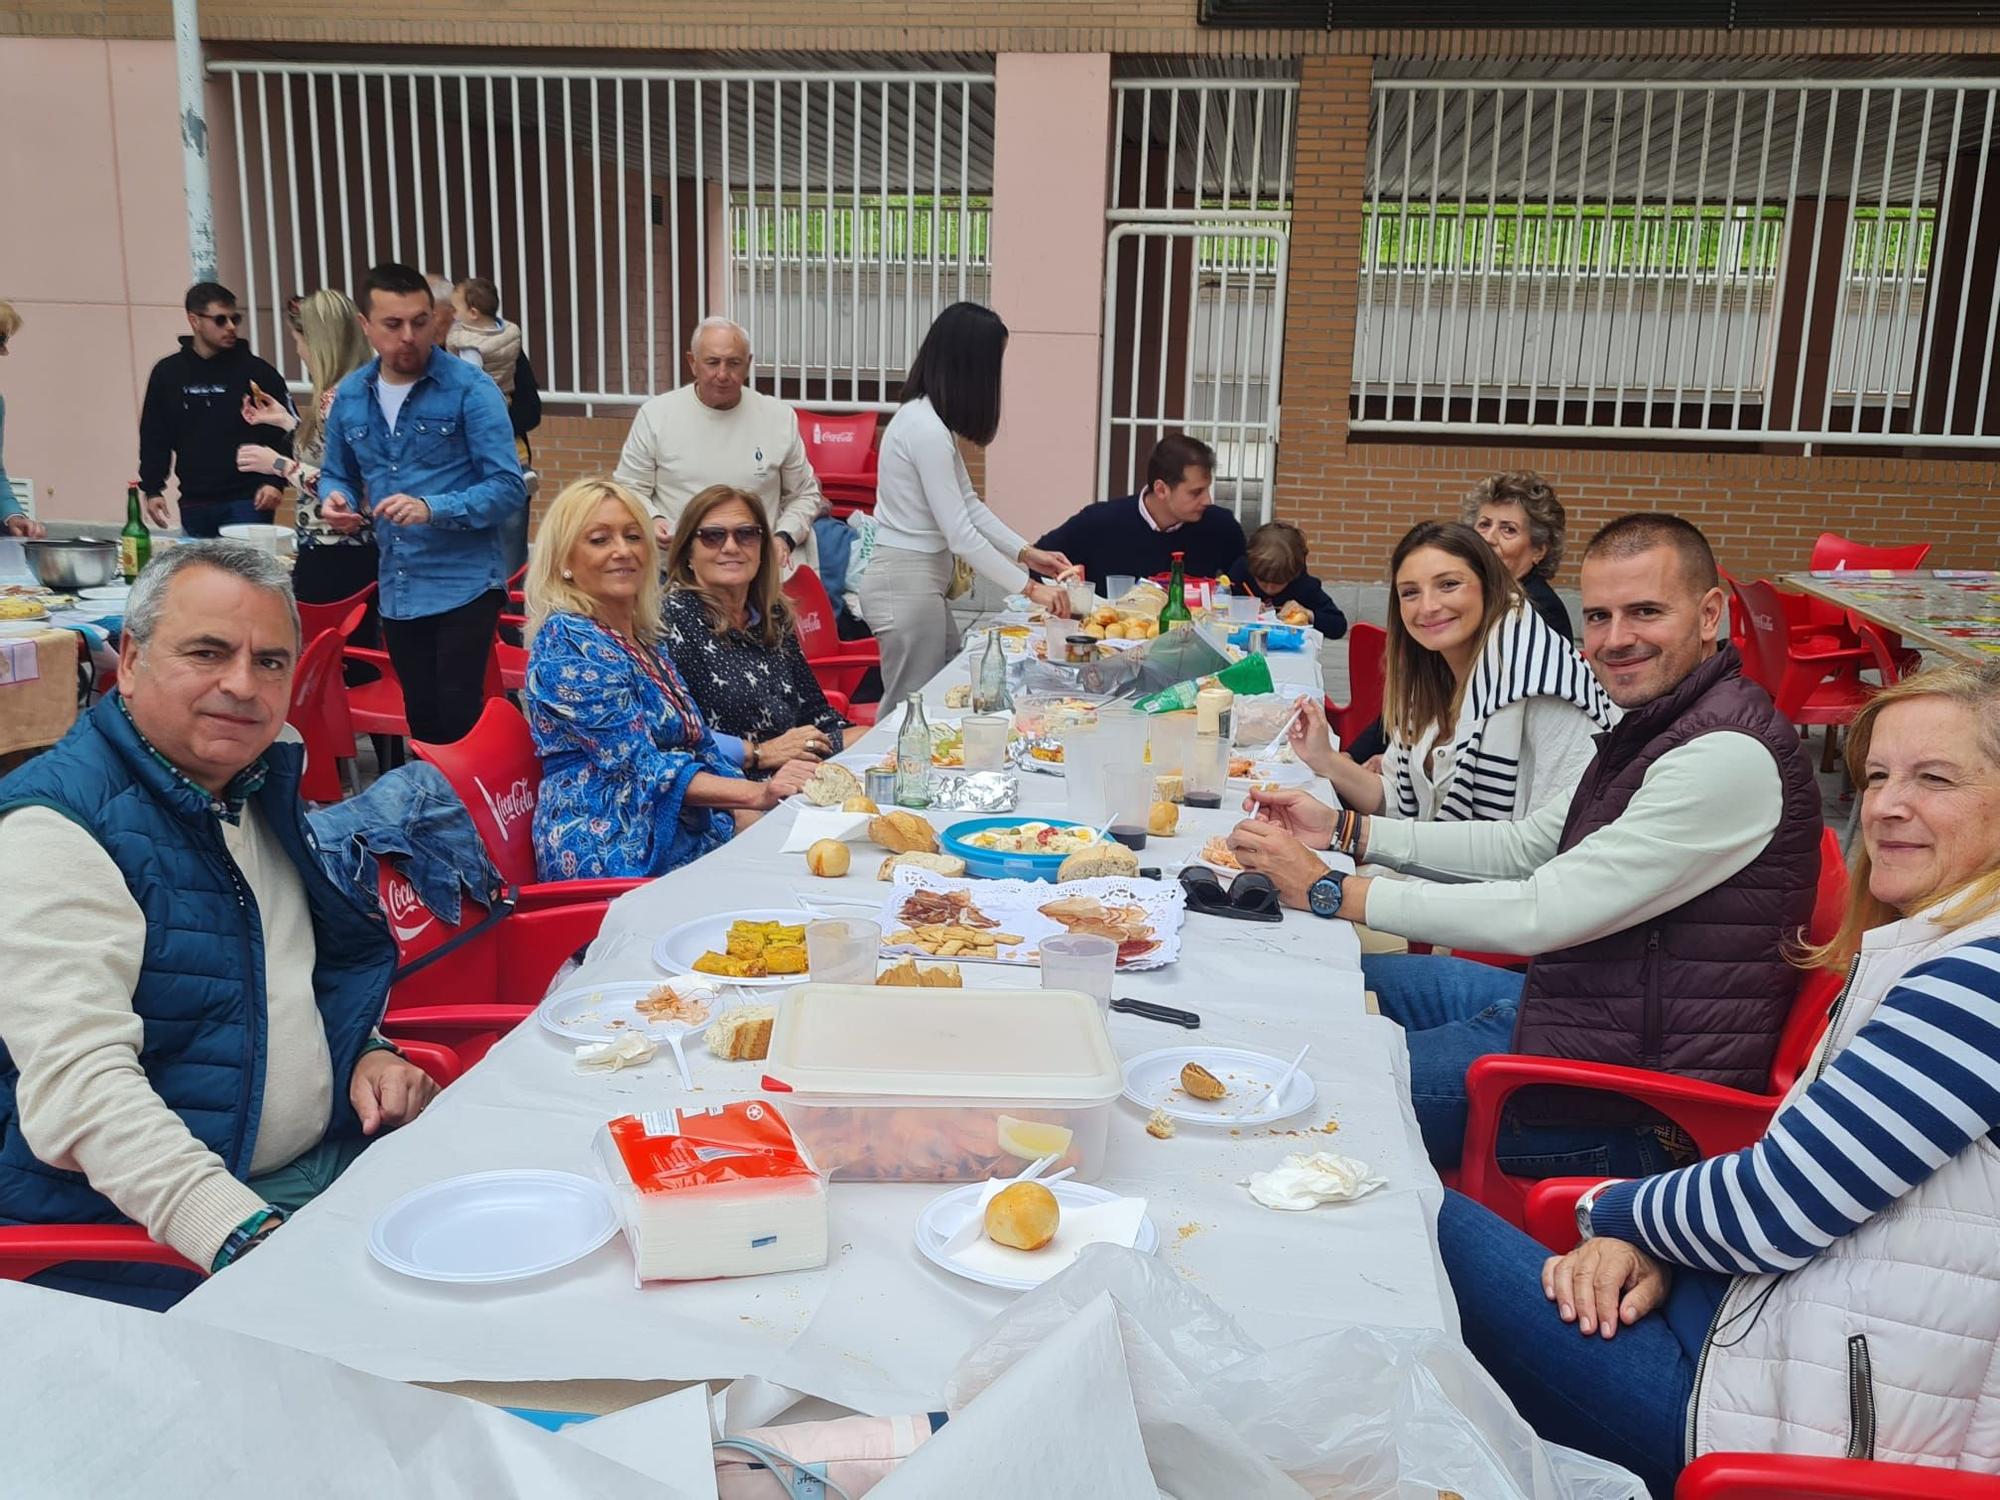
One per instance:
(1658, 901)
(187, 1030)
(718, 429)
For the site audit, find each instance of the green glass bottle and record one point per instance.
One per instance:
(1176, 611)
(135, 542)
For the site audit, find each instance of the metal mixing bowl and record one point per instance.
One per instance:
(76, 563)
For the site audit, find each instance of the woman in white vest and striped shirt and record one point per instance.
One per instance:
(1489, 712)
(1833, 1289)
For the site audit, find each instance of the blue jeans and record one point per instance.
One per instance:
(206, 518)
(1624, 1398)
(1452, 1011)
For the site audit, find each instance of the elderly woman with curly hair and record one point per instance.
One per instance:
(1521, 519)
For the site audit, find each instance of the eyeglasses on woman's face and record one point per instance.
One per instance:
(713, 537)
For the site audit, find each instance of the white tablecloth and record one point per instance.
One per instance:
(879, 1327)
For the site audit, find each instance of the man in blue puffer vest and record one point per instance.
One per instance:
(187, 1024)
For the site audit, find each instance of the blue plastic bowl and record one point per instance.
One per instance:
(990, 864)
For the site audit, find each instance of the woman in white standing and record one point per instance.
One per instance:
(926, 509)
(1489, 712)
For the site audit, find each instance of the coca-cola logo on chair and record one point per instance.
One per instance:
(408, 916)
(512, 805)
(825, 435)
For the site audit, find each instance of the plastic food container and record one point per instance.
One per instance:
(993, 864)
(906, 1085)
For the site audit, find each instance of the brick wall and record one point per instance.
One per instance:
(1355, 498)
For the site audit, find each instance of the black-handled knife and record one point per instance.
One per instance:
(1153, 1012)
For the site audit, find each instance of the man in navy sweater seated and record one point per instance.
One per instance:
(1175, 512)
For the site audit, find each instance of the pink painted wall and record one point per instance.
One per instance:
(96, 262)
(1051, 172)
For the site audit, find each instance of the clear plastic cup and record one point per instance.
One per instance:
(1123, 730)
(842, 950)
(1083, 770)
(1244, 611)
(985, 741)
(1078, 961)
(1118, 585)
(1207, 771)
(1128, 803)
(1173, 737)
(1055, 634)
(1082, 598)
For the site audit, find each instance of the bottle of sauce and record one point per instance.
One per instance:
(1212, 710)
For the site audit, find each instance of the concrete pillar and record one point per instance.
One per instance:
(1970, 247)
(1802, 352)
(1051, 173)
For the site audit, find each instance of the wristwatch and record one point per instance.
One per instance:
(1323, 895)
(789, 540)
(1584, 1206)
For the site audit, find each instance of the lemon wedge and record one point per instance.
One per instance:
(1033, 1139)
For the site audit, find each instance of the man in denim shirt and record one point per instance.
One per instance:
(422, 441)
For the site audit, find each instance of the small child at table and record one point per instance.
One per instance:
(1273, 568)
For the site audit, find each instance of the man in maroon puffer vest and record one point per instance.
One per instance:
(1661, 902)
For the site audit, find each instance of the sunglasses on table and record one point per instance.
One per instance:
(712, 537)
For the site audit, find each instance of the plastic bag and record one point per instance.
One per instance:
(1360, 1413)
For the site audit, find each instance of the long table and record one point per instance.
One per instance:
(878, 1328)
(1952, 611)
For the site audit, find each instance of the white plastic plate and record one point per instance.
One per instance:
(493, 1226)
(676, 951)
(943, 1216)
(1153, 1081)
(587, 1013)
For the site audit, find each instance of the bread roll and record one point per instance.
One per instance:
(1163, 818)
(1024, 1216)
(938, 864)
(860, 805)
(828, 858)
(831, 785)
(1106, 858)
(903, 833)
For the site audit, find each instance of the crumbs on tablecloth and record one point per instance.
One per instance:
(1188, 1231)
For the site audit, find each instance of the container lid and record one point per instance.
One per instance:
(861, 1041)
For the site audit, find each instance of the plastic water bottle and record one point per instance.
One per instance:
(913, 756)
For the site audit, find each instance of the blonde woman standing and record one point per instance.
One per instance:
(332, 565)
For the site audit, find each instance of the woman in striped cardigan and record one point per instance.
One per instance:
(1833, 1289)
(1488, 711)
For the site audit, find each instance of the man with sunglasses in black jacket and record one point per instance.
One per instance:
(193, 421)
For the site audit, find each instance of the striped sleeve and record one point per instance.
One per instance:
(1917, 1085)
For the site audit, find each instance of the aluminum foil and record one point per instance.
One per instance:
(982, 791)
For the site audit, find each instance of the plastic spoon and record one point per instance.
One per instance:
(1271, 1099)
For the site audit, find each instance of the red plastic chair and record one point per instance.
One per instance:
(377, 707)
(840, 446)
(316, 619)
(498, 776)
(1791, 1476)
(29, 1249)
(512, 659)
(1808, 683)
(1367, 665)
(1718, 1119)
(1832, 551)
(838, 665)
(319, 710)
(469, 983)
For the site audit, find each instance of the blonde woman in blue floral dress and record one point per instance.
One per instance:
(634, 782)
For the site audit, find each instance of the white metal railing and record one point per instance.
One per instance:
(1195, 278)
(616, 207)
(1634, 259)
